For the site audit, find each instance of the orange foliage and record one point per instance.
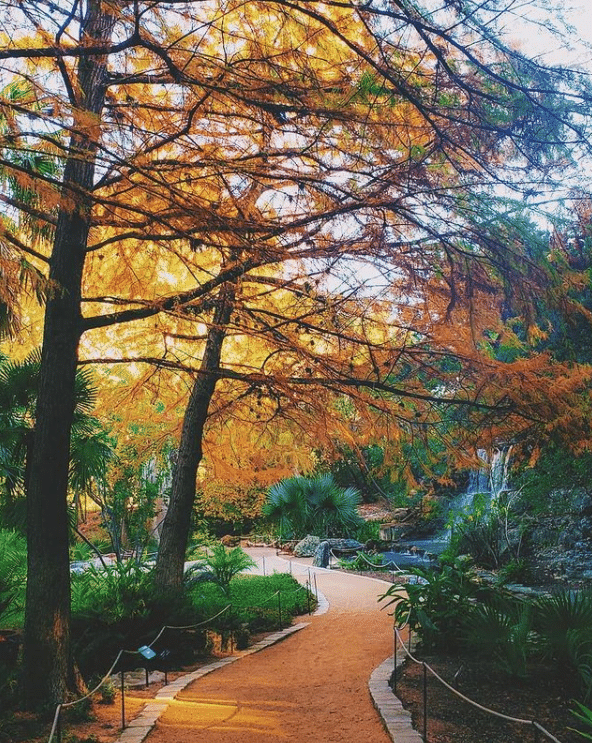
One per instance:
(294, 153)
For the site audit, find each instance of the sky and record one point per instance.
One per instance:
(576, 48)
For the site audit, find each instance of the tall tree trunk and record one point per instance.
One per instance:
(177, 522)
(48, 669)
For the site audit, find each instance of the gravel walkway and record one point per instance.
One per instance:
(312, 686)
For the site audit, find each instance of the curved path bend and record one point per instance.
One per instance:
(312, 686)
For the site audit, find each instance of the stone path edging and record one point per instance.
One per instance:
(396, 720)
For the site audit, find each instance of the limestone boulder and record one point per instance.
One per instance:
(307, 546)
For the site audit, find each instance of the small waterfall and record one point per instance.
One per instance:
(492, 476)
(479, 477)
(498, 471)
(489, 479)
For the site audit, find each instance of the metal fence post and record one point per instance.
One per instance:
(308, 595)
(122, 700)
(425, 702)
(231, 622)
(280, 607)
(395, 646)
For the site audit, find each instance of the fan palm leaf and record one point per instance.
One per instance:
(312, 505)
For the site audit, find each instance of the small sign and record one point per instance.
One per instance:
(147, 652)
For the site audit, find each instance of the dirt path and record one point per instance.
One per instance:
(312, 686)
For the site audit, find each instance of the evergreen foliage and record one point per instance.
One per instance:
(118, 608)
(435, 602)
(90, 447)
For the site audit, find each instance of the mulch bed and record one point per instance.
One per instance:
(543, 696)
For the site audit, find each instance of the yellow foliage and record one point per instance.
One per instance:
(291, 157)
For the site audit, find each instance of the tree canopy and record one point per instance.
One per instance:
(279, 206)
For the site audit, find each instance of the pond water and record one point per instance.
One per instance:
(419, 553)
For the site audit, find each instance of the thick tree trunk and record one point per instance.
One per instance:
(48, 669)
(177, 522)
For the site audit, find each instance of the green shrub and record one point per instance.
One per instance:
(120, 591)
(557, 470)
(368, 530)
(224, 564)
(556, 616)
(81, 552)
(435, 605)
(255, 600)
(112, 608)
(117, 609)
(477, 531)
(515, 571)
(563, 623)
(501, 630)
(108, 692)
(362, 562)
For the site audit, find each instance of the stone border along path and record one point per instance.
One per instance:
(396, 720)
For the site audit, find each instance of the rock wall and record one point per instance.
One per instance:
(558, 544)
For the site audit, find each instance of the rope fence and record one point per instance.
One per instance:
(56, 732)
(391, 565)
(538, 730)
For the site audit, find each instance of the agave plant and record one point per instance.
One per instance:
(312, 505)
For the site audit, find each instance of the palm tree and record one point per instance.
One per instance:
(90, 448)
(312, 505)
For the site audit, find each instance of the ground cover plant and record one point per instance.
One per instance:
(364, 563)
